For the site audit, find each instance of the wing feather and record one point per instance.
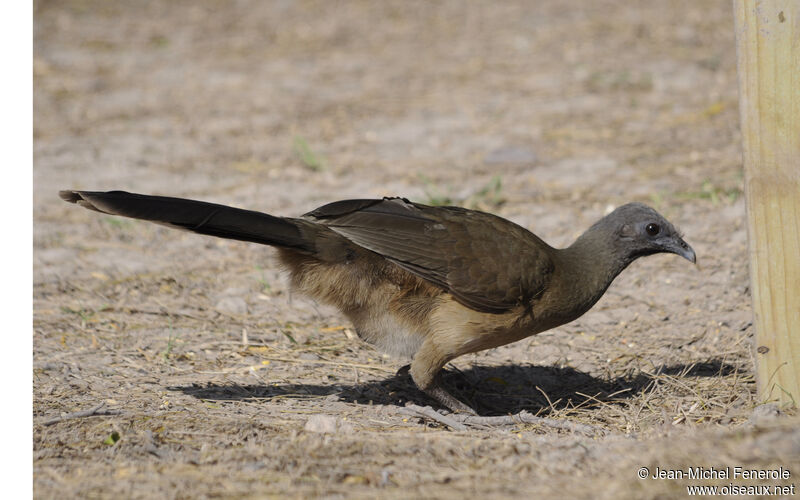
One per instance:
(486, 262)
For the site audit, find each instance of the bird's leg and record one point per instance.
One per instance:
(425, 372)
(437, 392)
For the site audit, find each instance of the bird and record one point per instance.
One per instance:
(429, 283)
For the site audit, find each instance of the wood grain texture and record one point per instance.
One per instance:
(768, 56)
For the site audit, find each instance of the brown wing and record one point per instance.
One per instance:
(486, 262)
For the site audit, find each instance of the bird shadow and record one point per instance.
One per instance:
(491, 390)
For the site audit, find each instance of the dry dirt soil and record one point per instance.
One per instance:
(216, 381)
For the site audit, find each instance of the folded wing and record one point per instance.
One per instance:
(454, 248)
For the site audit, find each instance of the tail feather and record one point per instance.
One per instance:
(197, 216)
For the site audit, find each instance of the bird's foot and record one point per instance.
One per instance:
(437, 392)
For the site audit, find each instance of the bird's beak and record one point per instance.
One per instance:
(680, 247)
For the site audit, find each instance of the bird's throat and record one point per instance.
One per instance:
(589, 267)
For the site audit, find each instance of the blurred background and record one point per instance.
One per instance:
(424, 99)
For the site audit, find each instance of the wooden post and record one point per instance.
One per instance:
(768, 57)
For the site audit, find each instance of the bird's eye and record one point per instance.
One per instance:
(652, 229)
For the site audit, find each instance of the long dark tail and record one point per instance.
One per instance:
(199, 217)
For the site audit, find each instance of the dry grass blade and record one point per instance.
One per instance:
(333, 363)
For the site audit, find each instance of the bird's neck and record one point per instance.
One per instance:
(590, 264)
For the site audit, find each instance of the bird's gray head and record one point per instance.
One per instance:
(638, 230)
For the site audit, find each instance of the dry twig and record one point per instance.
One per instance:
(460, 421)
(91, 412)
(430, 413)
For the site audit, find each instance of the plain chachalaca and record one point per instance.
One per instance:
(429, 283)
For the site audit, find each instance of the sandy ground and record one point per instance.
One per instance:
(216, 381)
